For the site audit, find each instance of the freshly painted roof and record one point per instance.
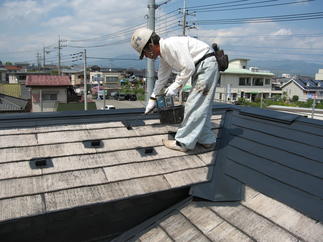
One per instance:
(47, 80)
(257, 218)
(78, 175)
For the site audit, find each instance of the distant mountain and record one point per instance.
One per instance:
(133, 62)
(287, 66)
(277, 67)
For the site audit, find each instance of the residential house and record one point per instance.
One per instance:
(304, 89)
(238, 81)
(47, 91)
(3, 75)
(105, 175)
(109, 80)
(21, 76)
(12, 68)
(11, 104)
(15, 90)
(76, 77)
(319, 75)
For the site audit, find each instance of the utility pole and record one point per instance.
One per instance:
(184, 18)
(60, 46)
(38, 60)
(150, 62)
(85, 82)
(184, 23)
(44, 58)
(59, 55)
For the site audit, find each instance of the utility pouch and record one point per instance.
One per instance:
(221, 58)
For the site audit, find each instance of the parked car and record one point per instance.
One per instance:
(121, 96)
(108, 107)
(114, 95)
(131, 97)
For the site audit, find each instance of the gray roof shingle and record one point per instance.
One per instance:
(78, 176)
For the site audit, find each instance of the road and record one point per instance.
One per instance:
(120, 104)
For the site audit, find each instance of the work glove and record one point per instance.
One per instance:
(151, 105)
(172, 90)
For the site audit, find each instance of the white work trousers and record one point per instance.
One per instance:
(196, 125)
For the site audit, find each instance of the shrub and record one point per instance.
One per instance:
(295, 98)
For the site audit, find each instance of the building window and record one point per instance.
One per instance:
(111, 79)
(49, 96)
(267, 81)
(244, 81)
(258, 82)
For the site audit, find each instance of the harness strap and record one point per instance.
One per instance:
(204, 57)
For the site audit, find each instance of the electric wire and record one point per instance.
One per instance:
(249, 7)
(277, 18)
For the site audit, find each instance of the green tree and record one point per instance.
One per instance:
(295, 98)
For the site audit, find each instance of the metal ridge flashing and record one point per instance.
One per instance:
(70, 114)
(280, 117)
(74, 117)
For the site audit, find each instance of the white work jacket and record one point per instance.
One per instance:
(179, 54)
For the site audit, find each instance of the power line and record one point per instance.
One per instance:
(125, 31)
(117, 42)
(277, 18)
(317, 35)
(276, 48)
(218, 4)
(250, 7)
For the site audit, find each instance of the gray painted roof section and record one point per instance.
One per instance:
(256, 218)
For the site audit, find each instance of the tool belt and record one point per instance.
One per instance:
(221, 58)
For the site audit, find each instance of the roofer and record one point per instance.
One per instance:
(191, 58)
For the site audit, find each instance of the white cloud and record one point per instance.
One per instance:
(38, 23)
(278, 43)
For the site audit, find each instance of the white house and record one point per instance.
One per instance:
(319, 75)
(239, 81)
(110, 80)
(304, 89)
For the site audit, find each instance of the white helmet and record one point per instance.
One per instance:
(139, 39)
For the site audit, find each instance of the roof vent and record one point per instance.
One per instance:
(129, 124)
(144, 151)
(96, 143)
(149, 150)
(39, 163)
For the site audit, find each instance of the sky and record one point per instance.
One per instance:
(104, 28)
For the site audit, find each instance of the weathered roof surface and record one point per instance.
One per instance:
(76, 176)
(47, 80)
(11, 104)
(257, 218)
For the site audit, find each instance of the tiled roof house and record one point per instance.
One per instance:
(47, 91)
(105, 175)
(304, 88)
